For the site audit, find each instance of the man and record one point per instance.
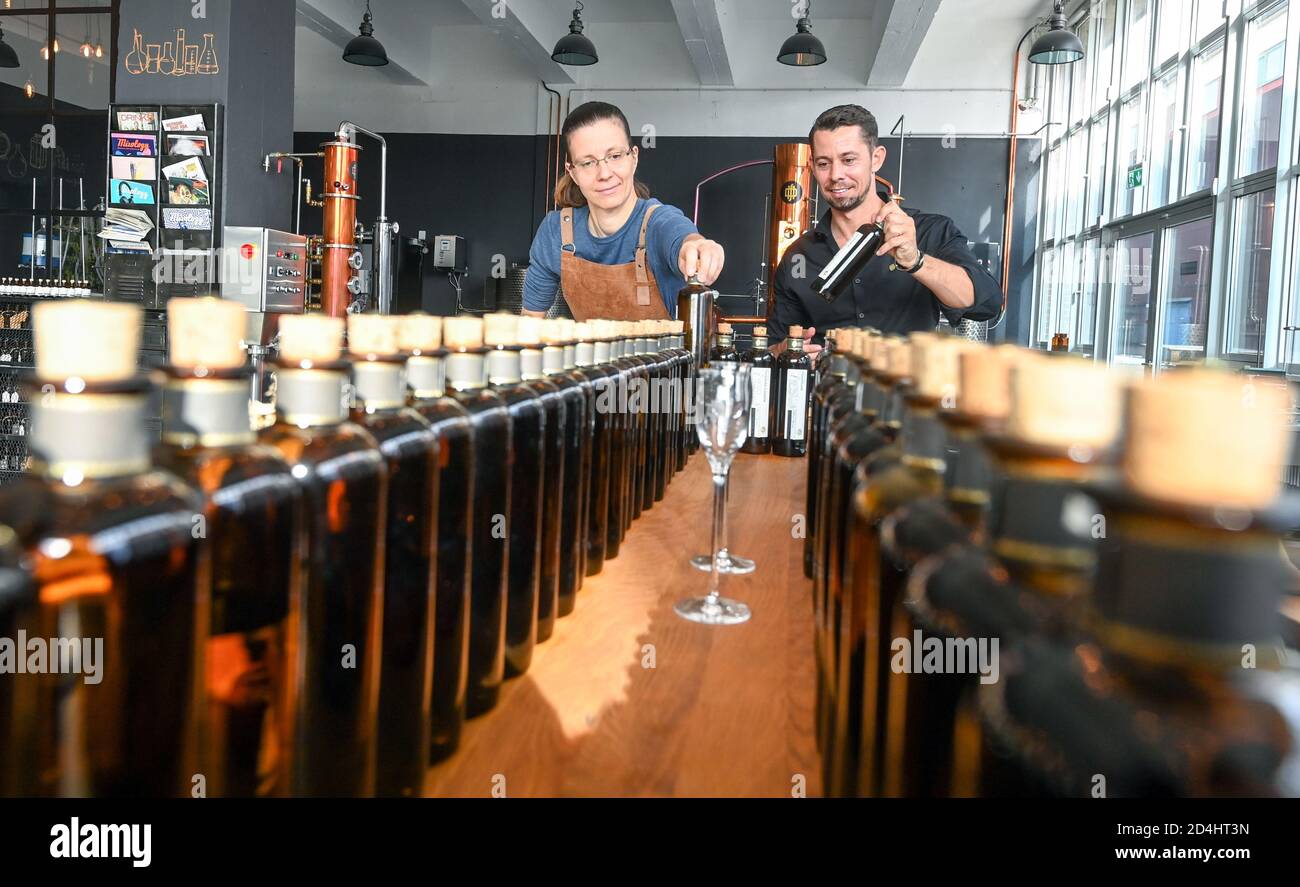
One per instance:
(935, 270)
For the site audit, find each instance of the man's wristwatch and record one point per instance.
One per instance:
(920, 263)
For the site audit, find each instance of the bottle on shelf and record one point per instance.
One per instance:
(567, 510)
(552, 483)
(1033, 573)
(833, 379)
(252, 514)
(1180, 687)
(790, 397)
(420, 339)
(724, 346)
(595, 379)
(411, 452)
(524, 521)
(344, 480)
(466, 364)
(116, 569)
(761, 362)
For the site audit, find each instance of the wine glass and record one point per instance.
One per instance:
(727, 562)
(722, 411)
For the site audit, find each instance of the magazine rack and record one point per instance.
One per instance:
(184, 243)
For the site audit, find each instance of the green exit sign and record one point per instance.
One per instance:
(1135, 177)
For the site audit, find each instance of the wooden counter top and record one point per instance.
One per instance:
(724, 711)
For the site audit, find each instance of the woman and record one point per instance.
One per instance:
(618, 253)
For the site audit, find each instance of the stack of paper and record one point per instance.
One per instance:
(125, 224)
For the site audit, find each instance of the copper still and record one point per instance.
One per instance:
(339, 197)
(791, 216)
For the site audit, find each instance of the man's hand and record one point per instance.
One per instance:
(701, 258)
(813, 351)
(900, 236)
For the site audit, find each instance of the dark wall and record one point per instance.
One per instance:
(488, 189)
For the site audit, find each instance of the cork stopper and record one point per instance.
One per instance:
(985, 385)
(645, 329)
(880, 349)
(1207, 437)
(205, 333)
(94, 341)
(310, 338)
(760, 331)
(500, 329)
(1064, 402)
(528, 331)
(795, 332)
(583, 332)
(569, 329)
(419, 333)
(462, 332)
(372, 335)
(604, 329)
(935, 366)
(724, 329)
(898, 359)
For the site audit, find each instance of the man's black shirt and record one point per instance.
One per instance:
(890, 301)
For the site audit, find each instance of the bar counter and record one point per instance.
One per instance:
(723, 711)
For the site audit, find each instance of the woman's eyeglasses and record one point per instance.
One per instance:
(613, 158)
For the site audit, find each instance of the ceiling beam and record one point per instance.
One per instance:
(702, 31)
(328, 18)
(895, 33)
(530, 28)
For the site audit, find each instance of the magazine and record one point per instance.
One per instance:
(187, 145)
(187, 218)
(134, 144)
(137, 121)
(123, 192)
(190, 168)
(187, 192)
(137, 168)
(125, 224)
(188, 123)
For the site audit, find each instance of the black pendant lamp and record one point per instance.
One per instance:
(8, 58)
(802, 48)
(574, 48)
(364, 49)
(1060, 45)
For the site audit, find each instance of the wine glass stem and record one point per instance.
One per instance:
(719, 510)
(723, 551)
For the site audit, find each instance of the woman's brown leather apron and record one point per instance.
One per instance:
(608, 292)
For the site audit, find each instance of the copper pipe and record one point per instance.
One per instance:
(552, 144)
(791, 204)
(339, 194)
(1011, 175)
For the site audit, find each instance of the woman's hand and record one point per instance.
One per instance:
(701, 258)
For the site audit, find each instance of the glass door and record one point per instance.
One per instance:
(1184, 285)
(1132, 265)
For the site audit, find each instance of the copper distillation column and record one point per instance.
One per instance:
(339, 226)
(791, 205)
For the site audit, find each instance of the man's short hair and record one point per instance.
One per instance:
(848, 115)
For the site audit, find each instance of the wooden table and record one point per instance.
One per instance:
(725, 711)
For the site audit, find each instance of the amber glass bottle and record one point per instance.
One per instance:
(596, 507)
(648, 349)
(664, 405)
(576, 442)
(792, 387)
(466, 364)
(252, 514)
(611, 399)
(345, 483)
(1063, 418)
(634, 373)
(116, 579)
(724, 346)
(537, 378)
(833, 378)
(761, 363)
(527, 486)
(20, 741)
(1179, 688)
(410, 450)
(420, 337)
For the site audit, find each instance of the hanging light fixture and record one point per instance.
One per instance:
(99, 46)
(364, 49)
(802, 48)
(1060, 45)
(574, 48)
(8, 58)
(28, 89)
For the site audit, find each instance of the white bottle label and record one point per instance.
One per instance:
(796, 402)
(760, 385)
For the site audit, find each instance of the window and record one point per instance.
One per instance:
(1132, 305)
(1053, 202)
(1171, 31)
(1137, 40)
(1075, 184)
(1166, 137)
(1104, 53)
(1209, 18)
(1048, 296)
(1130, 188)
(1262, 92)
(1079, 78)
(1097, 170)
(1068, 308)
(1186, 291)
(1203, 127)
(1088, 261)
(1252, 252)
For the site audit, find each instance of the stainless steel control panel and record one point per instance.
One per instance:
(264, 269)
